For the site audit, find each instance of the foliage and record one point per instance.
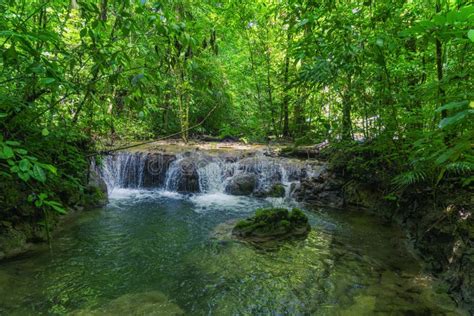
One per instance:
(395, 76)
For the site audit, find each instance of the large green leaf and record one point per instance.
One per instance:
(455, 119)
(470, 34)
(7, 152)
(453, 106)
(38, 173)
(24, 165)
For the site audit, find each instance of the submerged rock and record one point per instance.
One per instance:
(147, 303)
(273, 224)
(276, 190)
(242, 184)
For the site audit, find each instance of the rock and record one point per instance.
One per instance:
(156, 165)
(273, 224)
(323, 190)
(330, 198)
(361, 195)
(277, 190)
(147, 303)
(12, 241)
(242, 184)
(96, 194)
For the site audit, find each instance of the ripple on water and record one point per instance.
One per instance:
(152, 248)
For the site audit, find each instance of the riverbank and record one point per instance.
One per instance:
(439, 224)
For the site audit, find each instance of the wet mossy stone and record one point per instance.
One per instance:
(277, 190)
(273, 224)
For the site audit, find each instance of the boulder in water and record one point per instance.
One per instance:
(147, 303)
(189, 177)
(242, 184)
(273, 224)
(277, 190)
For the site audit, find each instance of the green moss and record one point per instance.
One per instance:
(277, 190)
(273, 223)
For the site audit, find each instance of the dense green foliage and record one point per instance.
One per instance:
(396, 74)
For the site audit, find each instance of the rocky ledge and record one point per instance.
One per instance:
(273, 225)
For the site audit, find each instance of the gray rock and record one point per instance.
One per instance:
(242, 184)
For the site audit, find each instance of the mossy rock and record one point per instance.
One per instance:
(273, 224)
(277, 190)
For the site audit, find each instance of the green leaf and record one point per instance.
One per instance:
(58, 207)
(47, 81)
(38, 173)
(454, 119)
(3, 115)
(24, 165)
(8, 152)
(470, 34)
(25, 176)
(457, 105)
(12, 143)
(31, 198)
(45, 132)
(50, 168)
(21, 151)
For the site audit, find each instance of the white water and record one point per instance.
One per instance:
(197, 172)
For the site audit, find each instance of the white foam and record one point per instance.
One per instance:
(222, 201)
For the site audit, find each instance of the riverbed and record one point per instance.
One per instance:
(155, 252)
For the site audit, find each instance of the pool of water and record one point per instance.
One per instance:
(161, 253)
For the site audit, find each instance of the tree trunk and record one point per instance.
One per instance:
(286, 98)
(346, 111)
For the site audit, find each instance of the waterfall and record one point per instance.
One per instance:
(194, 172)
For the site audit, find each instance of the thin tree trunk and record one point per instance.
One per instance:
(286, 98)
(346, 111)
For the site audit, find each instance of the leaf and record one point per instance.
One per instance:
(38, 173)
(24, 165)
(2, 115)
(454, 119)
(45, 132)
(12, 143)
(47, 81)
(25, 176)
(58, 207)
(470, 34)
(8, 152)
(21, 151)
(50, 168)
(452, 106)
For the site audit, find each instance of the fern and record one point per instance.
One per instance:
(460, 167)
(408, 178)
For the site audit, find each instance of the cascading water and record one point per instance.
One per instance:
(193, 172)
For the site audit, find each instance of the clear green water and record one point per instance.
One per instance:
(149, 253)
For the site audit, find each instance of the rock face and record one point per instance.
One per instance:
(276, 190)
(324, 190)
(273, 225)
(96, 191)
(242, 184)
(187, 180)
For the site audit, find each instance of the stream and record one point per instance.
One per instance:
(154, 251)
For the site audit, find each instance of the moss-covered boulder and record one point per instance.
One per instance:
(273, 224)
(277, 190)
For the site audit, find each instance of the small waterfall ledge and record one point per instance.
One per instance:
(201, 172)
